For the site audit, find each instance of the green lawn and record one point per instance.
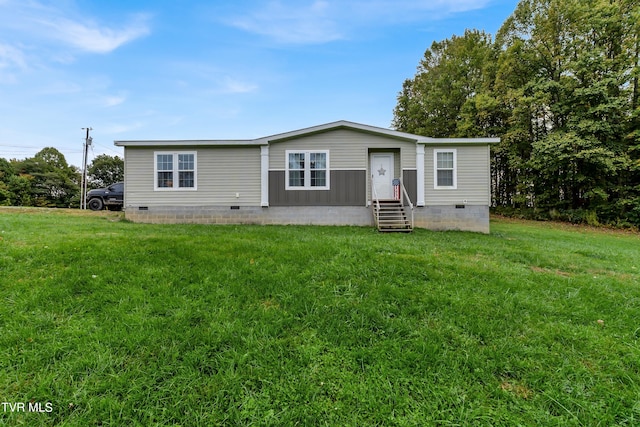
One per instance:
(106, 322)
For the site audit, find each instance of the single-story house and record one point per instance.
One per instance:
(339, 173)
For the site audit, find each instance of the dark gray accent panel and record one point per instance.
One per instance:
(348, 188)
(410, 182)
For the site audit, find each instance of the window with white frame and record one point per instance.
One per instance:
(444, 169)
(175, 170)
(307, 170)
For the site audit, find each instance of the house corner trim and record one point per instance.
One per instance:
(264, 176)
(420, 175)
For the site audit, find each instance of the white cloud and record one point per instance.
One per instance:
(43, 23)
(92, 37)
(409, 10)
(290, 23)
(231, 85)
(117, 128)
(112, 101)
(10, 59)
(174, 120)
(61, 88)
(322, 21)
(11, 56)
(211, 79)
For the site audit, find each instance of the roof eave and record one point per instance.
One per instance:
(187, 143)
(466, 141)
(341, 124)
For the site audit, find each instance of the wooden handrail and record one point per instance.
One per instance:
(405, 194)
(374, 199)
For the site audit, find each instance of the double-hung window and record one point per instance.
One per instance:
(445, 169)
(175, 170)
(307, 170)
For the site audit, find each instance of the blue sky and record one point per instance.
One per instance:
(163, 69)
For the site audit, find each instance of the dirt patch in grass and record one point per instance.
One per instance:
(519, 390)
(610, 273)
(548, 271)
(270, 305)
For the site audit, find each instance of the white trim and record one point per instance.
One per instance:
(459, 141)
(420, 196)
(175, 171)
(488, 169)
(307, 171)
(264, 176)
(390, 155)
(343, 124)
(436, 151)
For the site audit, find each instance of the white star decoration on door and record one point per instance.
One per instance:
(381, 171)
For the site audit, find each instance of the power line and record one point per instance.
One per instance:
(28, 149)
(20, 146)
(107, 148)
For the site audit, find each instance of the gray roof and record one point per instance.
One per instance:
(341, 124)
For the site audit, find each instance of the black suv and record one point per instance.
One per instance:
(112, 197)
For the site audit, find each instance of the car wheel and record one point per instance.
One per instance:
(95, 204)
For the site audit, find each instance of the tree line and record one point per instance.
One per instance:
(559, 85)
(47, 180)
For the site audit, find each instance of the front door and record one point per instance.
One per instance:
(382, 174)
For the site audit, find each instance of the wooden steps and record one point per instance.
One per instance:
(391, 217)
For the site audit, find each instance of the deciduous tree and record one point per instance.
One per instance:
(104, 170)
(560, 87)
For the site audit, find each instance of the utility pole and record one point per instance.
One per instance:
(83, 184)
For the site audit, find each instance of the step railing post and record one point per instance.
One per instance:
(375, 204)
(405, 194)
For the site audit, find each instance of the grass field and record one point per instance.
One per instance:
(106, 322)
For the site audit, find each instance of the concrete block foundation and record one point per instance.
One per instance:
(467, 218)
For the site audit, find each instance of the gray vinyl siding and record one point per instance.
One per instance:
(347, 189)
(348, 149)
(221, 173)
(473, 177)
(410, 181)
